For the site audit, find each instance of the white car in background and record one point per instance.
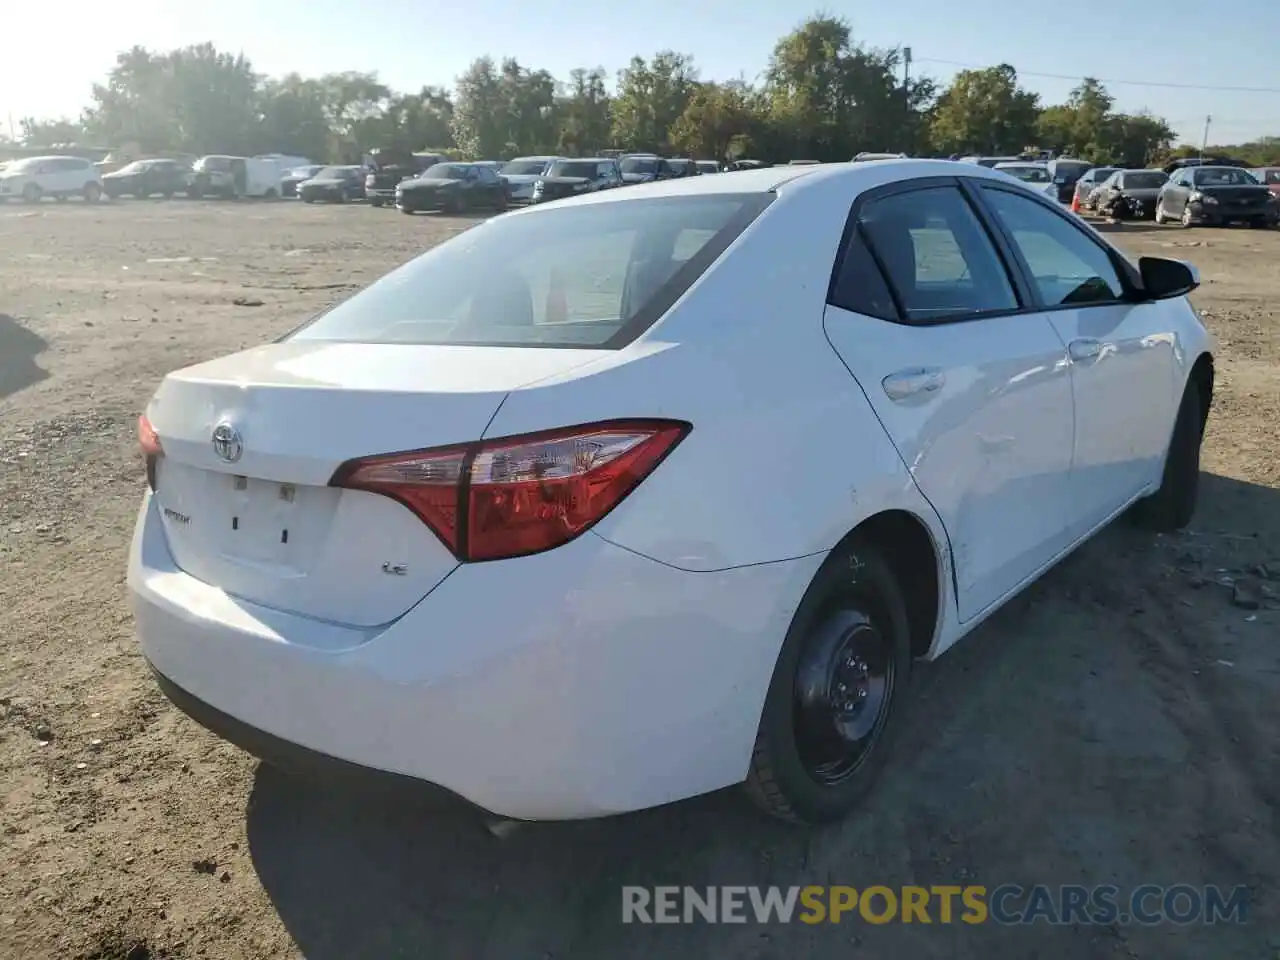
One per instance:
(630, 497)
(523, 173)
(34, 178)
(1035, 175)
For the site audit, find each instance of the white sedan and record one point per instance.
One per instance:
(627, 498)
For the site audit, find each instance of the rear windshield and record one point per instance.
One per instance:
(590, 275)
(571, 168)
(1144, 181)
(1223, 177)
(639, 165)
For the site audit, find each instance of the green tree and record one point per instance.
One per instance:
(582, 113)
(650, 98)
(985, 111)
(714, 117)
(35, 132)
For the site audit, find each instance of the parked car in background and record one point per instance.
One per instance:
(391, 167)
(988, 162)
(746, 164)
(1088, 183)
(1034, 175)
(496, 166)
(285, 162)
(708, 166)
(643, 168)
(864, 157)
(1065, 171)
(234, 177)
(522, 173)
(1130, 194)
(452, 188)
(683, 167)
(495, 521)
(333, 185)
(1215, 196)
(289, 182)
(569, 178)
(1269, 177)
(34, 178)
(1208, 160)
(146, 178)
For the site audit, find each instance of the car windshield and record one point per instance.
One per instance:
(572, 168)
(138, 166)
(444, 171)
(333, 173)
(1027, 174)
(1098, 174)
(572, 276)
(525, 168)
(639, 165)
(1223, 177)
(708, 166)
(304, 171)
(1146, 180)
(213, 163)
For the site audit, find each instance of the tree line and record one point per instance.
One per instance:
(824, 96)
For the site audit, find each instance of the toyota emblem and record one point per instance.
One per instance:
(227, 443)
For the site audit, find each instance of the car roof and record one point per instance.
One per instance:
(860, 176)
(1004, 164)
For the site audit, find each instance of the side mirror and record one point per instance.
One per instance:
(1164, 279)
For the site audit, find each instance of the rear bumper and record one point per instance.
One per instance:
(581, 682)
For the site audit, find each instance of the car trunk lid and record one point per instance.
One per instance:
(250, 510)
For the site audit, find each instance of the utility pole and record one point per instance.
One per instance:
(1204, 142)
(906, 68)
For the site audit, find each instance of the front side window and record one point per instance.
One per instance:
(937, 255)
(562, 277)
(1066, 266)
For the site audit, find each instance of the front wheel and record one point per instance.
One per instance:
(31, 193)
(1174, 504)
(1160, 217)
(375, 202)
(842, 669)
(1186, 217)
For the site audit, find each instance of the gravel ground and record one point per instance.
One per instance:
(1117, 723)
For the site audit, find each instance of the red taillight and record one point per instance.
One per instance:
(513, 496)
(149, 444)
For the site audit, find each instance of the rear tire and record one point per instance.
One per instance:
(1159, 213)
(825, 727)
(1174, 504)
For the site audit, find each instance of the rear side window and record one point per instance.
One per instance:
(579, 275)
(937, 256)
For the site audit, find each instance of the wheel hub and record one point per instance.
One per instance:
(843, 685)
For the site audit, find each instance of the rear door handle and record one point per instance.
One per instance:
(1085, 349)
(906, 384)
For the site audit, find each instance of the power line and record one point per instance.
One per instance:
(1133, 83)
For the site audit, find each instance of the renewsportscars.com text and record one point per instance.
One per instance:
(1007, 904)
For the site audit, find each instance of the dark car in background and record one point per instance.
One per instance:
(390, 168)
(708, 166)
(1215, 196)
(1208, 160)
(522, 175)
(333, 185)
(452, 188)
(146, 178)
(289, 182)
(682, 167)
(1130, 194)
(569, 178)
(1089, 181)
(1065, 172)
(643, 168)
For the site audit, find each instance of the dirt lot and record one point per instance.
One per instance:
(1118, 723)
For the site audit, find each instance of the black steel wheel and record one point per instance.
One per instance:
(827, 718)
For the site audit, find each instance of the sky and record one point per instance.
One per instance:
(48, 73)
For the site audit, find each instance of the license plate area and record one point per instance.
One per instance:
(261, 520)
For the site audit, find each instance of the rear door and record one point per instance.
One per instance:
(968, 379)
(1123, 368)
